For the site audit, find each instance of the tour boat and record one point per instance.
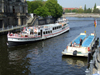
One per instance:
(39, 32)
(81, 48)
(62, 20)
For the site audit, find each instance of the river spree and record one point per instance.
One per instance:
(44, 57)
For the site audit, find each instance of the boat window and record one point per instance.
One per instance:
(43, 32)
(46, 32)
(31, 30)
(64, 24)
(39, 33)
(23, 32)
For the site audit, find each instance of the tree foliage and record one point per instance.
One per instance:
(54, 8)
(85, 9)
(42, 11)
(88, 10)
(80, 10)
(44, 8)
(32, 5)
(96, 10)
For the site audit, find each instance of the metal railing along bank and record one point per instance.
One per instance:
(93, 67)
(10, 28)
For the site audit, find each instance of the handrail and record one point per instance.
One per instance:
(9, 28)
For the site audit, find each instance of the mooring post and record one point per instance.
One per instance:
(87, 72)
(91, 67)
(89, 57)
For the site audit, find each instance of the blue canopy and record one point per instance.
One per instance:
(88, 41)
(77, 40)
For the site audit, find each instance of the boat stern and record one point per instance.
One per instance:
(75, 51)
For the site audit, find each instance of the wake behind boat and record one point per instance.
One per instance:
(39, 32)
(81, 45)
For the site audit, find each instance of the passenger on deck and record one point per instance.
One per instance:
(71, 44)
(81, 41)
(74, 44)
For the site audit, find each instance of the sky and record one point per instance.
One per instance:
(78, 3)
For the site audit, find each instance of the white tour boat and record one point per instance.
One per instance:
(80, 48)
(39, 32)
(62, 20)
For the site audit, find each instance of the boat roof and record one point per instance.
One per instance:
(77, 40)
(88, 41)
(56, 24)
(47, 25)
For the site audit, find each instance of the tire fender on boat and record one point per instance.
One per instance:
(75, 53)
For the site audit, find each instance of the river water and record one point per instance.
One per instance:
(44, 57)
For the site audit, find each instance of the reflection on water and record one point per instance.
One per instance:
(75, 61)
(20, 57)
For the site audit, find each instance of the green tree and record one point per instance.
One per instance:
(67, 11)
(89, 10)
(42, 11)
(54, 8)
(95, 9)
(74, 10)
(80, 10)
(32, 5)
(29, 6)
(85, 9)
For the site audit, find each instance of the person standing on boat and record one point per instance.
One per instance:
(71, 44)
(81, 41)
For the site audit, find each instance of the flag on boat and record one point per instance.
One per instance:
(95, 23)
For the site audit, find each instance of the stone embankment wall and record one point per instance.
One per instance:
(43, 21)
(80, 15)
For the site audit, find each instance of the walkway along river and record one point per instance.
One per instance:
(44, 57)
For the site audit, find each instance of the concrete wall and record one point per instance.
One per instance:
(46, 21)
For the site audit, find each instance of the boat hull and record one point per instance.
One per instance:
(18, 40)
(65, 52)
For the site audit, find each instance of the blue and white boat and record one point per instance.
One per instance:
(75, 49)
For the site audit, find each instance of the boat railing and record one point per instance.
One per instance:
(93, 62)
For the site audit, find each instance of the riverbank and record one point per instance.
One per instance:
(81, 15)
